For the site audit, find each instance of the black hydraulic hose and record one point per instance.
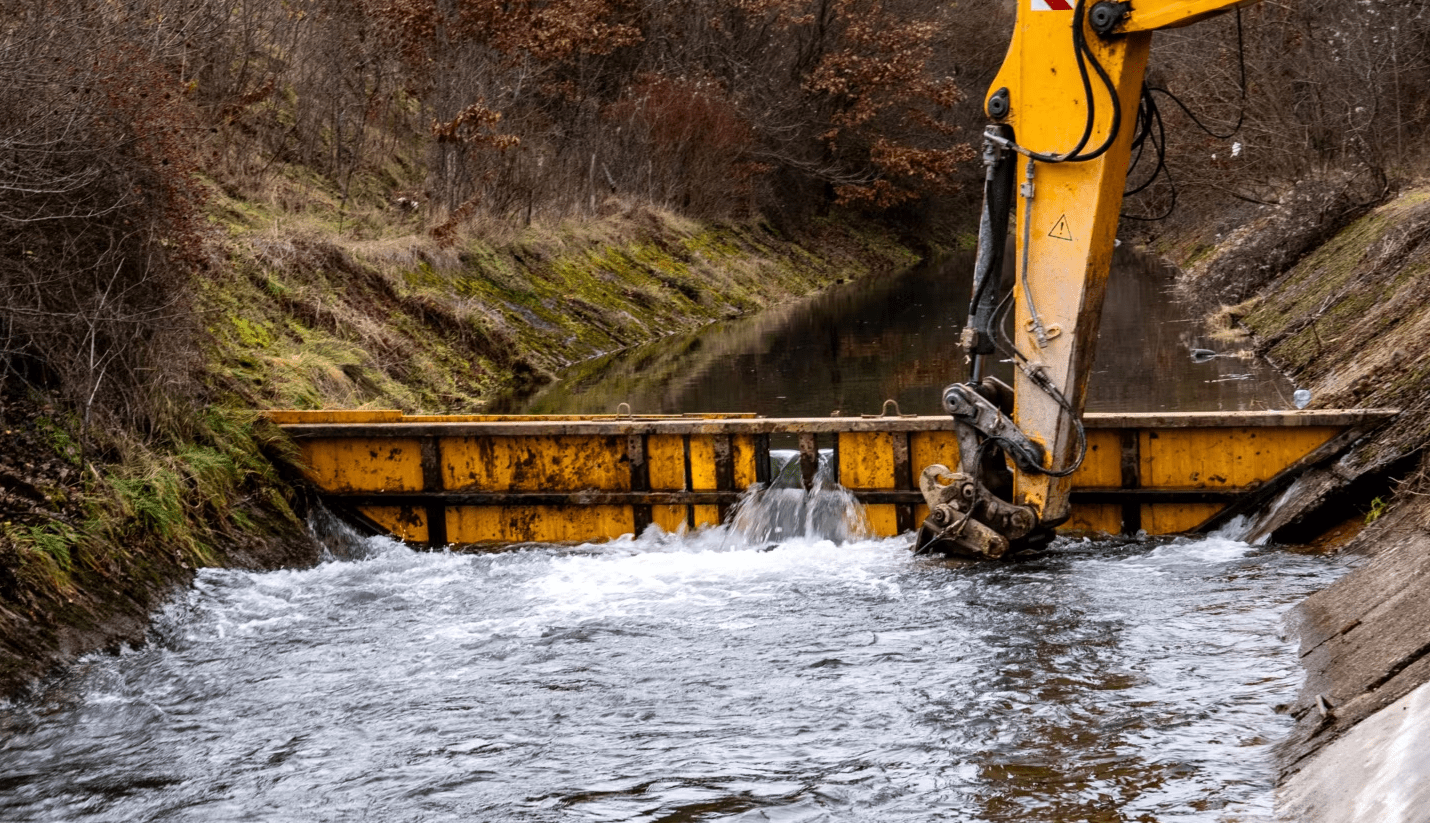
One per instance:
(1241, 115)
(992, 240)
(1090, 122)
(1084, 55)
(1159, 144)
(1021, 360)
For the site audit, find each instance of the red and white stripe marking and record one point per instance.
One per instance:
(1052, 5)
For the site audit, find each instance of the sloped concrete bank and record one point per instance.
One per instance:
(1341, 305)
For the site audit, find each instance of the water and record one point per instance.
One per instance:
(858, 344)
(793, 670)
(683, 679)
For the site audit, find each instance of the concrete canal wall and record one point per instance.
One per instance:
(1347, 318)
(1361, 747)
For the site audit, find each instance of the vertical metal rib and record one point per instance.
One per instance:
(903, 480)
(432, 482)
(640, 479)
(1131, 479)
(689, 484)
(724, 469)
(762, 459)
(808, 459)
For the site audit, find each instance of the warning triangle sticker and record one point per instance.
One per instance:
(1061, 230)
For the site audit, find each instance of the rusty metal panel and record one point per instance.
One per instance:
(866, 461)
(665, 458)
(746, 453)
(670, 518)
(883, 519)
(556, 524)
(705, 516)
(1223, 458)
(704, 475)
(666, 464)
(1094, 518)
(702, 462)
(928, 448)
(1102, 466)
(364, 464)
(1174, 518)
(536, 463)
(406, 523)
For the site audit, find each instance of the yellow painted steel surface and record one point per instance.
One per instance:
(534, 463)
(364, 464)
(866, 461)
(1067, 216)
(541, 524)
(429, 479)
(1203, 458)
(1150, 15)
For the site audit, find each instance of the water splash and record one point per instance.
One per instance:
(783, 510)
(341, 541)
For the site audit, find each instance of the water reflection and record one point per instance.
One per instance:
(858, 344)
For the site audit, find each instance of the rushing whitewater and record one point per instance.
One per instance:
(682, 678)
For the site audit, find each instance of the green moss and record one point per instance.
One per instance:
(252, 333)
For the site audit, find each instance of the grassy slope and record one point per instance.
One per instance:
(1349, 317)
(1348, 320)
(312, 319)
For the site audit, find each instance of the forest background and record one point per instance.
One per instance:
(121, 121)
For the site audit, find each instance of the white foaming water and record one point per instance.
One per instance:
(783, 510)
(645, 582)
(690, 677)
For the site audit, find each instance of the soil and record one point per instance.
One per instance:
(113, 582)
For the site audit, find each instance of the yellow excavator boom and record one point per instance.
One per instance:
(1064, 108)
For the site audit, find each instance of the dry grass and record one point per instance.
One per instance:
(1224, 324)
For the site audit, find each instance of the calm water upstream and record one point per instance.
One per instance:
(689, 678)
(858, 344)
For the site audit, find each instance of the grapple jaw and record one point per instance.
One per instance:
(967, 517)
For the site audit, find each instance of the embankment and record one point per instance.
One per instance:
(1334, 290)
(96, 529)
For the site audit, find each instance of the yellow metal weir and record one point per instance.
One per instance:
(476, 479)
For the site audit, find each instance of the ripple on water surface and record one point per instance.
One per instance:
(685, 678)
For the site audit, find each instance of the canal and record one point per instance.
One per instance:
(707, 676)
(858, 344)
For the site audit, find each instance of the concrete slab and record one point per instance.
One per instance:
(1378, 772)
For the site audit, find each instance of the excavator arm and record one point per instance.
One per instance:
(1063, 108)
